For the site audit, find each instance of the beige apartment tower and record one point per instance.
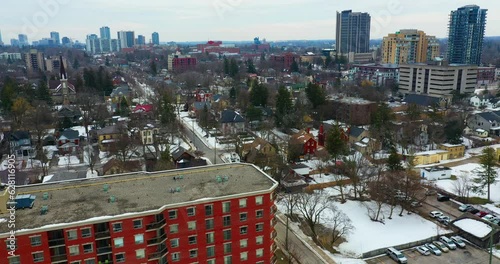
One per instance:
(409, 46)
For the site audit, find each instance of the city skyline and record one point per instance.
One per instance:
(196, 20)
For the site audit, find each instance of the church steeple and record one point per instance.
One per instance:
(62, 71)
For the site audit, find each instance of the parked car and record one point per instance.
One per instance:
(458, 241)
(416, 204)
(488, 217)
(396, 255)
(465, 207)
(435, 214)
(496, 221)
(442, 198)
(441, 246)
(474, 211)
(423, 250)
(444, 219)
(430, 192)
(433, 249)
(448, 242)
(481, 213)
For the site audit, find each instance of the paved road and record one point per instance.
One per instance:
(198, 143)
(296, 246)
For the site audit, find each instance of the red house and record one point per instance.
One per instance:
(68, 141)
(306, 141)
(216, 214)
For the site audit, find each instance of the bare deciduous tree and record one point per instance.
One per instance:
(312, 207)
(341, 224)
(463, 186)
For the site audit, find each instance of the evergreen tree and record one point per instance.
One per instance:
(487, 176)
(328, 61)
(76, 64)
(154, 71)
(262, 57)
(251, 67)
(335, 143)
(233, 68)
(284, 105)
(7, 94)
(107, 62)
(226, 66)
(258, 94)
(294, 67)
(253, 113)
(453, 131)
(166, 111)
(43, 93)
(316, 95)
(394, 161)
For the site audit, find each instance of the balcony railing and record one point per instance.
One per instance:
(155, 225)
(101, 235)
(103, 250)
(59, 258)
(274, 234)
(157, 255)
(157, 240)
(56, 242)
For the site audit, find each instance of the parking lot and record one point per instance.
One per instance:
(468, 255)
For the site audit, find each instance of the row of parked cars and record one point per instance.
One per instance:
(440, 217)
(444, 244)
(490, 217)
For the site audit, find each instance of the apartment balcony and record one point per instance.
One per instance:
(274, 222)
(58, 258)
(274, 247)
(157, 240)
(157, 255)
(103, 250)
(102, 235)
(274, 234)
(274, 209)
(156, 225)
(56, 242)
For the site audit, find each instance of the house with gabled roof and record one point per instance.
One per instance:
(259, 147)
(487, 121)
(305, 141)
(68, 141)
(62, 91)
(232, 122)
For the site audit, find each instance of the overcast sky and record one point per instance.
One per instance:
(199, 20)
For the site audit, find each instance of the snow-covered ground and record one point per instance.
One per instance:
(191, 124)
(91, 174)
(72, 160)
(474, 227)
(81, 130)
(470, 171)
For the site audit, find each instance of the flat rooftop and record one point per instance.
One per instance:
(81, 200)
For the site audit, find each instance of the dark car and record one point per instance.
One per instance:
(442, 198)
(474, 211)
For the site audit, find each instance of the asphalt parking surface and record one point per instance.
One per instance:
(468, 255)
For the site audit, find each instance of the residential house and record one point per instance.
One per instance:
(435, 173)
(114, 166)
(305, 141)
(185, 159)
(426, 100)
(356, 134)
(484, 100)
(430, 157)
(20, 144)
(143, 108)
(147, 133)
(489, 122)
(73, 115)
(454, 151)
(200, 106)
(68, 142)
(481, 133)
(107, 135)
(259, 147)
(232, 122)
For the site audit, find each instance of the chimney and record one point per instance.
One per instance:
(308, 130)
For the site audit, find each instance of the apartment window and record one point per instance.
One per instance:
(86, 232)
(243, 217)
(259, 213)
(172, 214)
(140, 254)
(75, 262)
(36, 241)
(210, 251)
(228, 259)
(14, 260)
(72, 234)
(243, 243)
(37, 257)
(139, 239)
(227, 234)
(191, 211)
(258, 200)
(243, 256)
(259, 240)
(87, 248)
(174, 243)
(227, 248)
(259, 227)
(120, 257)
(259, 252)
(117, 227)
(11, 244)
(226, 220)
(89, 261)
(211, 261)
(210, 238)
(209, 210)
(174, 229)
(118, 242)
(176, 256)
(243, 203)
(192, 225)
(74, 250)
(192, 240)
(209, 224)
(226, 207)
(243, 230)
(137, 223)
(193, 253)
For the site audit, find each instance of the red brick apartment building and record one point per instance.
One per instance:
(216, 214)
(284, 61)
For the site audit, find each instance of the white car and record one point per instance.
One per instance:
(441, 246)
(465, 207)
(458, 241)
(435, 214)
(433, 249)
(423, 250)
(448, 242)
(488, 217)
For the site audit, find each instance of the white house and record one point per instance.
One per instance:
(483, 100)
(435, 173)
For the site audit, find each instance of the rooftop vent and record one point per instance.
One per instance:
(105, 188)
(46, 196)
(180, 177)
(44, 209)
(112, 199)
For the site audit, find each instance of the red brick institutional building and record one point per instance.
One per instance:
(206, 215)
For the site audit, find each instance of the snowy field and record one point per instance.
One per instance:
(71, 160)
(469, 170)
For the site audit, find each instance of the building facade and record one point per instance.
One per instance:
(284, 61)
(179, 63)
(466, 34)
(155, 38)
(378, 74)
(105, 32)
(55, 36)
(353, 32)
(409, 46)
(126, 38)
(35, 61)
(437, 80)
(216, 214)
(353, 111)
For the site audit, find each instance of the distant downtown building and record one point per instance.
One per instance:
(95, 45)
(23, 40)
(155, 38)
(141, 40)
(409, 46)
(438, 80)
(211, 215)
(466, 34)
(105, 32)
(180, 63)
(55, 36)
(353, 32)
(127, 39)
(1, 42)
